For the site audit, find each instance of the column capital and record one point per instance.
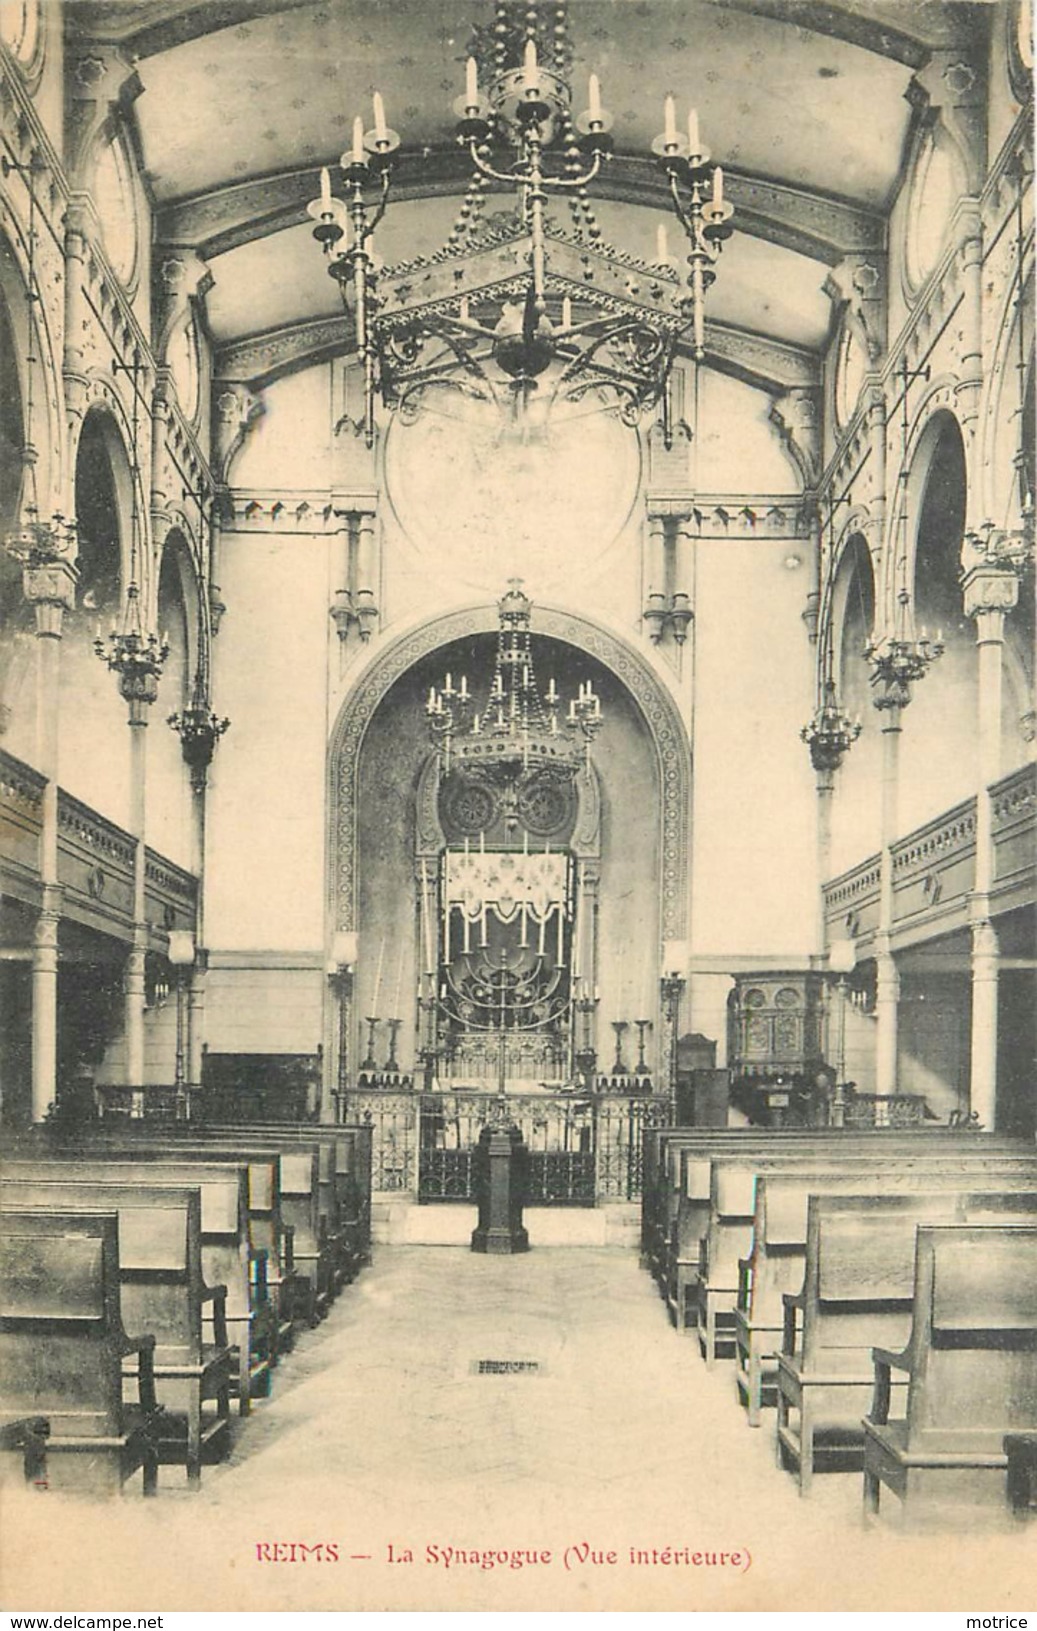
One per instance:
(50, 588)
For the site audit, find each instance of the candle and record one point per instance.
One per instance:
(325, 192)
(525, 842)
(378, 975)
(380, 131)
(482, 841)
(540, 941)
(693, 134)
(471, 83)
(567, 312)
(662, 248)
(399, 980)
(718, 185)
(558, 959)
(358, 140)
(464, 685)
(670, 117)
(594, 99)
(529, 64)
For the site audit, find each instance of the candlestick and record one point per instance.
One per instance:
(369, 1062)
(643, 1025)
(394, 1027)
(618, 1067)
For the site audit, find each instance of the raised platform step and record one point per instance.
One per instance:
(397, 1220)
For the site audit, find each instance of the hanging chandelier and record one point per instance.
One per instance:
(831, 732)
(515, 306)
(517, 730)
(136, 655)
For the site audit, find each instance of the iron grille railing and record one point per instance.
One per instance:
(582, 1150)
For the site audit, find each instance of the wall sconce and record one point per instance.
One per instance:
(345, 946)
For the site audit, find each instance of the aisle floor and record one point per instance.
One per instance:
(386, 1434)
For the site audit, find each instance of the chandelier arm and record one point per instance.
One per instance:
(571, 183)
(678, 205)
(382, 206)
(508, 178)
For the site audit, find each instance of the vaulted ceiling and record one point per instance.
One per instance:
(803, 102)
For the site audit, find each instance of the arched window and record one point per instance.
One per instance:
(20, 29)
(115, 198)
(183, 361)
(937, 185)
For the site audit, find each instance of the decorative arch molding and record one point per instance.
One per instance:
(992, 496)
(939, 403)
(103, 404)
(178, 543)
(654, 701)
(34, 332)
(859, 523)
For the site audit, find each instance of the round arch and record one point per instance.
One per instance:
(653, 700)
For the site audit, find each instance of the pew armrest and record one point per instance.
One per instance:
(885, 1361)
(144, 1348)
(217, 1295)
(792, 1304)
(745, 1269)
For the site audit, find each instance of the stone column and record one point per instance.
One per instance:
(825, 794)
(133, 981)
(50, 588)
(888, 988)
(990, 591)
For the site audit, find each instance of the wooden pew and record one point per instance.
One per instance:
(29, 1438)
(350, 1174)
(228, 1256)
(310, 1205)
(775, 1261)
(682, 1203)
(287, 1290)
(162, 1290)
(857, 1294)
(62, 1346)
(696, 1203)
(971, 1369)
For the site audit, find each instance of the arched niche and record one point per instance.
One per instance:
(851, 620)
(657, 707)
(169, 800)
(16, 616)
(93, 711)
(942, 718)
(378, 758)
